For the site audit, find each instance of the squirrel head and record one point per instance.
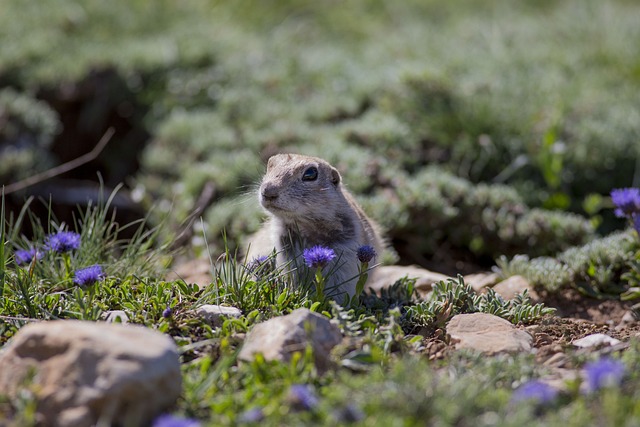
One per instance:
(300, 188)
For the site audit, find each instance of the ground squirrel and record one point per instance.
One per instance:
(308, 206)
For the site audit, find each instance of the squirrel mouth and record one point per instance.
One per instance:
(272, 206)
(279, 212)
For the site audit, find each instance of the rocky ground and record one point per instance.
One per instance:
(577, 316)
(87, 371)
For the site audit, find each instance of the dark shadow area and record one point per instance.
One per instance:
(86, 110)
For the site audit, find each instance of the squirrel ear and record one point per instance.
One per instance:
(335, 176)
(270, 162)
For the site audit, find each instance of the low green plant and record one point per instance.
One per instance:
(598, 268)
(455, 297)
(40, 274)
(255, 285)
(546, 272)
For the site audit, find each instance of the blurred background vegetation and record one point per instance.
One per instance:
(468, 129)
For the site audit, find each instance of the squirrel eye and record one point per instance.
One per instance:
(310, 174)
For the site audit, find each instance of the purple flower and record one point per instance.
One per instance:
(167, 312)
(534, 390)
(88, 275)
(259, 266)
(603, 373)
(63, 241)
(302, 397)
(167, 420)
(258, 261)
(25, 256)
(318, 256)
(626, 201)
(254, 415)
(636, 222)
(366, 253)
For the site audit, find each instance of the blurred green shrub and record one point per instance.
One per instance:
(27, 128)
(433, 206)
(595, 267)
(465, 124)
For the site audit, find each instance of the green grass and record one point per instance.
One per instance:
(381, 376)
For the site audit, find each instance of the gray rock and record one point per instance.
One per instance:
(87, 372)
(115, 316)
(595, 340)
(480, 281)
(386, 275)
(487, 334)
(514, 285)
(215, 315)
(279, 338)
(627, 320)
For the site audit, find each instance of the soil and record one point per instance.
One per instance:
(570, 303)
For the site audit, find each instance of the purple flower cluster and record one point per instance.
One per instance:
(605, 372)
(88, 276)
(25, 256)
(302, 397)
(260, 266)
(626, 200)
(366, 253)
(167, 312)
(173, 421)
(63, 241)
(627, 203)
(318, 256)
(536, 391)
(257, 262)
(254, 415)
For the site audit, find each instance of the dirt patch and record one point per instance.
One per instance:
(576, 317)
(570, 303)
(554, 330)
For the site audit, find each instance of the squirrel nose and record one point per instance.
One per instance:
(269, 192)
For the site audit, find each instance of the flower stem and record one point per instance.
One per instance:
(362, 279)
(319, 284)
(67, 265)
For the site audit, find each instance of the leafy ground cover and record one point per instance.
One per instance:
(476, 133)
(398, 367)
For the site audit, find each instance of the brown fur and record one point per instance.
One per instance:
(305, 213)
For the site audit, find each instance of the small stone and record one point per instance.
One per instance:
(487, 334)
(386, 275)
(115, 316)
(543, 339)
(215, 315)
(627, 319)
(514, 285)
(558, 360)
(86, 371)
(279, 338)
(596, 340)
(480, 281)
